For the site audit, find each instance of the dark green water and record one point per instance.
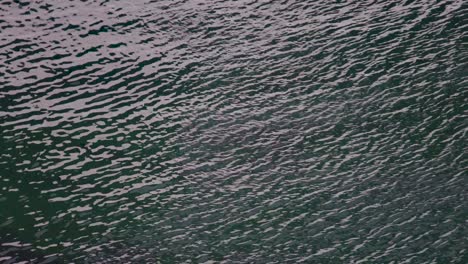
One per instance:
(233, 131)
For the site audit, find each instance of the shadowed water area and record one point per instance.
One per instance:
(233, 131)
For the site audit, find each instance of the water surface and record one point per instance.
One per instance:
(233, 131)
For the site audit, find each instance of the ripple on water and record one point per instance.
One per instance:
(242, 131)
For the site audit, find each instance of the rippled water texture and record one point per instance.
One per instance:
(236, 131)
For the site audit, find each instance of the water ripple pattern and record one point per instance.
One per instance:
(247, 131)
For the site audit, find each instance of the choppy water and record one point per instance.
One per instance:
(235, 131)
